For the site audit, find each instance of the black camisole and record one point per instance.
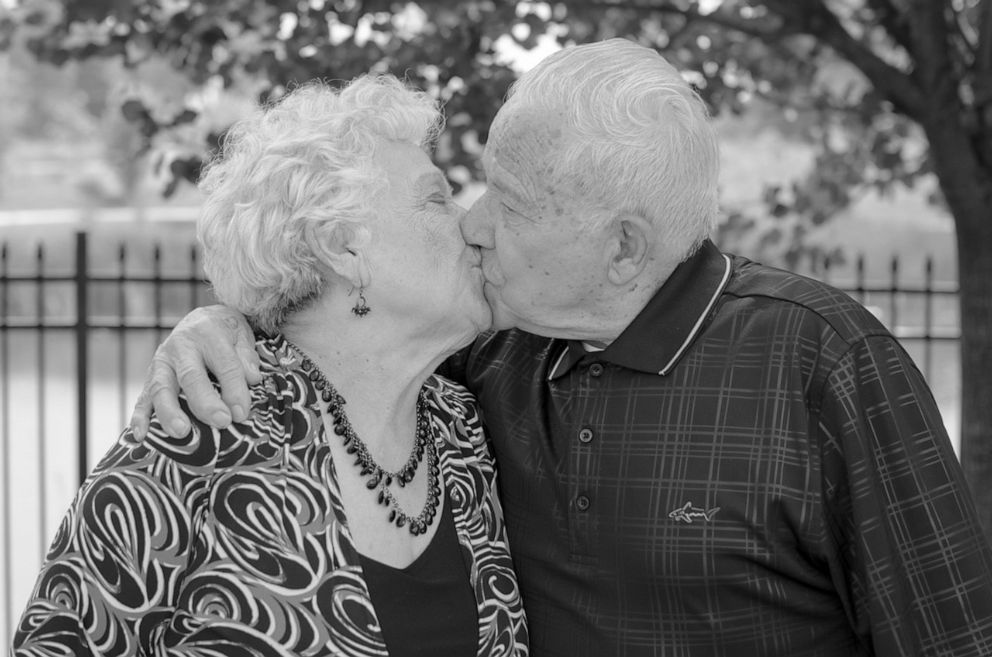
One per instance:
(427, 608)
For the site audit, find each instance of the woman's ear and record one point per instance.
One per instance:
(341, 248)
(631, 236)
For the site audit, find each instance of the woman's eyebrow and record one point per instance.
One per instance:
(432, 181)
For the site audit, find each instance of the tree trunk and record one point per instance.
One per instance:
(966, 182)
(975, 276)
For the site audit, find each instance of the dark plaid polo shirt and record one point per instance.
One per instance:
(755, 467)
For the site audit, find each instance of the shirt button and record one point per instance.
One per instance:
(596, 369)
(582, 503)
(585, 435)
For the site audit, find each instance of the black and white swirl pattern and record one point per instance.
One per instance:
(235, 542)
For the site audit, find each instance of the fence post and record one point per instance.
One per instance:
(5, 438)
(82, 320)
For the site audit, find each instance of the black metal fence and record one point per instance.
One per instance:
(83, 325)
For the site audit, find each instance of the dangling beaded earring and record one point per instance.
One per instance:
(361, 307)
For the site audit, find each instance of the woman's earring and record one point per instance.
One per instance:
(361, 307)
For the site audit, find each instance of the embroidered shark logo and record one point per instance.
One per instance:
(687, 513)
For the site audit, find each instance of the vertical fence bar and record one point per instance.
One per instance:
(893, 294)
(82, 315)
(5, 444)
(42, 428)
(122, 336)
(157, 283)
(194, 284)
(859, 282)
(928, 317)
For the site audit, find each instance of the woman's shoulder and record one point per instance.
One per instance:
(454, 393)
(458, 408)
(284, 411)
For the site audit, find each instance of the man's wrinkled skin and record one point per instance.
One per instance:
(230, 355)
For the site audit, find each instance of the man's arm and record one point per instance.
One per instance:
(915, 567)
(213, 339)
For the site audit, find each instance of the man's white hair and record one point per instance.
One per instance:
(291, 176)
(637, 138)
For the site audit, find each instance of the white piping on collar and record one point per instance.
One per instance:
(702, 317)
(728, 268)
(554, 369)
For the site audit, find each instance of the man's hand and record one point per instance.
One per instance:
(215, 339)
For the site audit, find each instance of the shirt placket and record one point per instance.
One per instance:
(584, 432)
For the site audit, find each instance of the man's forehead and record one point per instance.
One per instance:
(516, 122)
(522, 139)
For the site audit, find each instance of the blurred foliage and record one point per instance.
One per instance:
(817, 59)
(790, 55)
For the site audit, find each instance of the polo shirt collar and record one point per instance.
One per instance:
(667, 326)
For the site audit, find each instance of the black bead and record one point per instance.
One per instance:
(372, 483)
(400, 521)
(392, 515)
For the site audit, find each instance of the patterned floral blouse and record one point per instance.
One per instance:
(235, 542)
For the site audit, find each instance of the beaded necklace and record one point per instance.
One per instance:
(380, 479)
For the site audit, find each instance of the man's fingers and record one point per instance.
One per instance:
(233, 387)
(203, 399)
(247, 354)
(141, 416)
(236, 369)
(162, 392)
(214, 339)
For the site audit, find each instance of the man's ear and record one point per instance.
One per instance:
(341, 248)
(630, 241)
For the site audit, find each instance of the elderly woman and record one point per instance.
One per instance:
(355, 512)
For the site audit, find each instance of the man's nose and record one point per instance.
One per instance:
(475, 225)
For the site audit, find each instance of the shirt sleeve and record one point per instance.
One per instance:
(112, 573)
(911, 563)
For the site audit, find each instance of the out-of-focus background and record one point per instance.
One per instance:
(834, 165)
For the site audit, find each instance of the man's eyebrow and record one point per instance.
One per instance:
(504, 190)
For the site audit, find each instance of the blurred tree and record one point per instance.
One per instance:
(888, 90)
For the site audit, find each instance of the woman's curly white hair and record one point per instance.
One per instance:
(289, 177)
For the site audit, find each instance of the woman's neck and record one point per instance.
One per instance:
(377, 368)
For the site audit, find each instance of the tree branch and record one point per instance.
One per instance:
(934, 68)
(892, 20)
(814, 18)
(983, 53)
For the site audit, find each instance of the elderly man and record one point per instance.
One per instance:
(699, 455)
